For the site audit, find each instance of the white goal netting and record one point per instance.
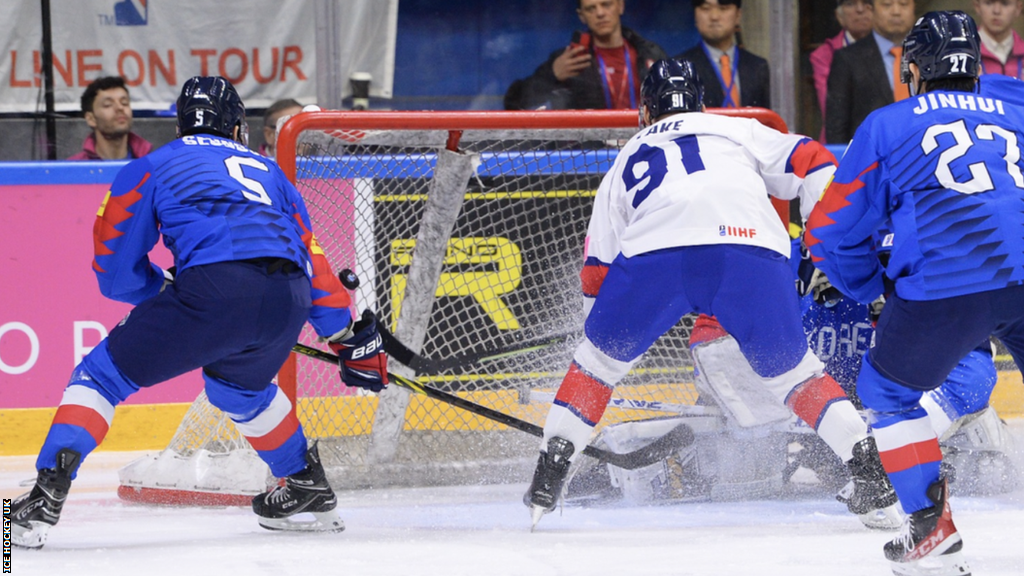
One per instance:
(465, 239)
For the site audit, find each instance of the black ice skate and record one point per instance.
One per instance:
(33, 514)
(304, 492)
(929, 543)
(869, 493)
(548, 478)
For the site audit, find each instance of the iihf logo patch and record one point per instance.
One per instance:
(737, 232)
(131, 13)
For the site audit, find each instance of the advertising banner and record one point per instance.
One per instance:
(267, 48)
(51, 310)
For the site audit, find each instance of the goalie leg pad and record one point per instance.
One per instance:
(723, 373)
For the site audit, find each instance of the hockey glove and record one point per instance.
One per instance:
(875, 309)
(823, 290)
(169, 275)
(361, 355)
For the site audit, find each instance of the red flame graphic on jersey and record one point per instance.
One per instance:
(831, 202)
(114, 212)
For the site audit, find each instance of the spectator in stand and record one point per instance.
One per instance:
(277, 110)
(600, 69)
(1002, 50)
(732, 76)
(107, 108)
(865, 75)
(855, 18)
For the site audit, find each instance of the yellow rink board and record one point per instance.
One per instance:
(151, 426)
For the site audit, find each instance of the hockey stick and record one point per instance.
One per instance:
(653, 406)
(402, 354)
(399, 352)
(656, 451)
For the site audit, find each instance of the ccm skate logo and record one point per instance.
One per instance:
(926, 546)
(367, 349)
(724, 230)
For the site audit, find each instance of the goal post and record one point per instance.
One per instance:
(467, 232)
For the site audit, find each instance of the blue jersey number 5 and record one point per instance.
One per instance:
(657, 166)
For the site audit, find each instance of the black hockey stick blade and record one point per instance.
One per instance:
(402, 354)
(656, 451)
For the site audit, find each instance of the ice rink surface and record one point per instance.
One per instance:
(484, 531)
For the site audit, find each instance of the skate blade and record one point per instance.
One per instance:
(536, 512)
(888, 518)
(322, 522)
(943, 565)
(32, 537)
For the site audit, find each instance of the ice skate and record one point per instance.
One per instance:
(869, 493)
(929, 544)
(548, 478)
(305, 492)
(33, 514)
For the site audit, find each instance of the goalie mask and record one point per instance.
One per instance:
(210, 105)
(943, 45)
(670, 86)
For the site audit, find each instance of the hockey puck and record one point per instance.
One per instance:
(348, 279)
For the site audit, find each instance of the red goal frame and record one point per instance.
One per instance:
(455, 122)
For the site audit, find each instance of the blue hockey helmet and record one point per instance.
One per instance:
(210, 105)
(943, 44)
(670, 86)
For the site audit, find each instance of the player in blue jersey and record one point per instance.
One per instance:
(975, 442)
(249, 274)
(943, 168)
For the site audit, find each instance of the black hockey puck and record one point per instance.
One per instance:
(348, 279)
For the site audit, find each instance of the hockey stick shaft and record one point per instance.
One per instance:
(399, 352)
(402, 354)
(649, 405)
(650, 454)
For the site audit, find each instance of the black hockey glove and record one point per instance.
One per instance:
(361, 355)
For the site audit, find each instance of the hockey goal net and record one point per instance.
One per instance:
(466, 230)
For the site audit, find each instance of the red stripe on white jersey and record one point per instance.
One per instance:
(584, 394)
(87, 418)
(592, 277)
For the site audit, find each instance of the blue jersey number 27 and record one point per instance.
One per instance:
(657, 166)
